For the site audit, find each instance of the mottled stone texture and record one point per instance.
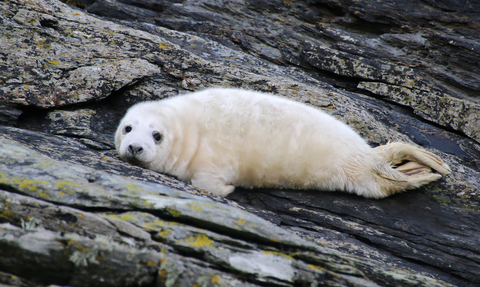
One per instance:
(73, 214)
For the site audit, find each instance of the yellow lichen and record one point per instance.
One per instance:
(149, 263)
(132, 186)
(70, 242)
(44, 194)
(173, 212)
(44, 45)
(24, 184)
(126, 217)
(67, 184)
(165, 233)
(195, 207)
(6, 213)
(82, 248)
(199, 241)
(69, 187)
(157, 224)
(163, 273)
(277, 254)
(316, 268)
(241, 223)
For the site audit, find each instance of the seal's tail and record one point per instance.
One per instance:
(409, 167)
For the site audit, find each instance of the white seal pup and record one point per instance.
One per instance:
(217, 139)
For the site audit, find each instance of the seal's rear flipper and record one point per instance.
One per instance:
(414, 167)
(398, 152)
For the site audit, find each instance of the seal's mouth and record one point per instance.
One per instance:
(135, 161)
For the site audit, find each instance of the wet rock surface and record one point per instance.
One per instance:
(73, 214)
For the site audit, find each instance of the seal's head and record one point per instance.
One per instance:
(139, 138)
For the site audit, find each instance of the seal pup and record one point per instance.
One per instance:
(219, 138)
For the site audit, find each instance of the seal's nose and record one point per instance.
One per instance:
(135, 150)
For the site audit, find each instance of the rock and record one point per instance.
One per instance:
(434, 106)
(59, 66)
(48, 220)
(73, 214)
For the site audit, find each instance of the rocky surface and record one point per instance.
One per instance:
(73, 214)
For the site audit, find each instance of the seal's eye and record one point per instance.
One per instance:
(157, 136)
(127, 129)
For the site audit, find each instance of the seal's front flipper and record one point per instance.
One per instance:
(211, 183)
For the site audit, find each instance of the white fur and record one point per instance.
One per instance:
(220, 138)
